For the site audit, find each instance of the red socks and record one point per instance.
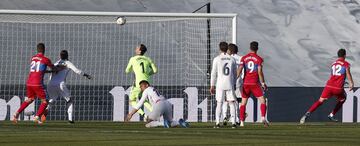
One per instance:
(263, 110)
(23, 106)
(243, 109)
(315, 106)
(42, 108)
(242, 112)
(337, 107)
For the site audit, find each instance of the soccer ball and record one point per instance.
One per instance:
(121, 20)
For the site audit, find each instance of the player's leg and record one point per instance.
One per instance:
(237, 104)
(324, 96)
(258, 92)
(65, 93)
(245, 94)
(341, 98)
(134, 95)
(31, 96)
(243, 110)
(53, 94)
(230, 97)
(263, 110)
(154, 116)
(168, 117)
(219, 94)
(224, 112)
(41, 94)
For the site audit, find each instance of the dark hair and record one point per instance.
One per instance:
(233, 48)
(145, 82)
(254, 46)
(143, 49)
(40, 47)
(341, 52)
(223, 46)
(64, 55)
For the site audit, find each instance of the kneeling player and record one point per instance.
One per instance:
(340, 69)
(57, 85)
(161, 107)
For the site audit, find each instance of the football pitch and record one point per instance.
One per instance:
(114, 133)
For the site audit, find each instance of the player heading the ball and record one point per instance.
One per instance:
(143, 67)
(222, 83)
(161, 107)
(340, 70)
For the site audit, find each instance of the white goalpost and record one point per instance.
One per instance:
(180, 44)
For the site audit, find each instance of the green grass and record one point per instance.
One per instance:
(110, 133)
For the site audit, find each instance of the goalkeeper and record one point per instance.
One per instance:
(143, 68)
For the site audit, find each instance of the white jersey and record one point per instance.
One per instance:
(237, 60)
(223, 72)
(60, 77)
(150, 94)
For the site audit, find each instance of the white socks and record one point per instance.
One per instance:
(237, 118)
(224, 109)
(232, 112)
(218, 112)
(70, 110)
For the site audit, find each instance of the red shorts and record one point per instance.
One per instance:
(330, 92)
(35, 91)
(255, 90)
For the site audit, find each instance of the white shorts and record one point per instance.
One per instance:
(225, 95)
(161, 108)
(55, 91)
(238, 92)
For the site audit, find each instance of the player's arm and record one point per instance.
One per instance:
(137, 107)
(153, 67)
(76, 70)
(350, 79)
(239, 70)
(129, 66)
(53, 67)
(213, 76)
(261, 77)
(234, 69)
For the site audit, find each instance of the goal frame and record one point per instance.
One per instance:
(130, 14)
(232, 16)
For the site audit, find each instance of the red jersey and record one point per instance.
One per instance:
(338, 74)
(251, 62)
(38, 67)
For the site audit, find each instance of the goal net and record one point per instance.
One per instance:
(181, 45)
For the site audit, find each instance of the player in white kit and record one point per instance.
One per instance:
(161, 107)
(233, 50)
(223, 73)
(57, 85)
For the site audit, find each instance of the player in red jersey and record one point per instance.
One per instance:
(253, 82)
(340, 70)
(34, 84)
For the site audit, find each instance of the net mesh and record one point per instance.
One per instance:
(102, 48)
